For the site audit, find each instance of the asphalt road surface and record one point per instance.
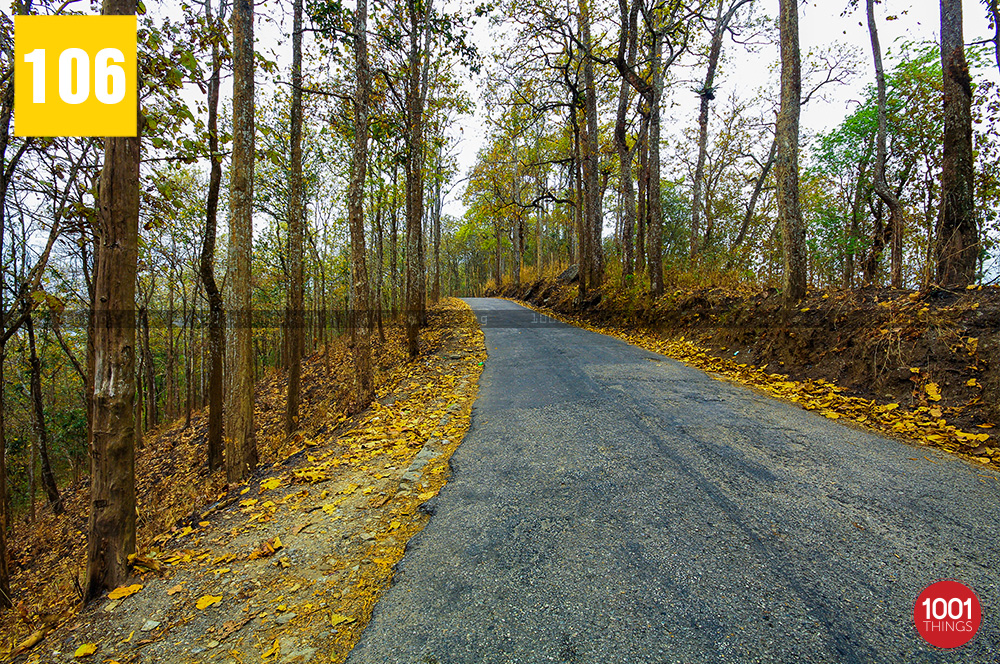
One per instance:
(611, 505)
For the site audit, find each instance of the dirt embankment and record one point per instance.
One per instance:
(934, 353)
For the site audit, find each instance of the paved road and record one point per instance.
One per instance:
(611, 505)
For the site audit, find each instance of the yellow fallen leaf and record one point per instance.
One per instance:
(124, 591)
(426, 495)
(267, 548)
(204, 524)
(933, 391)
(142, 563)
(206, 601)
(311, 475)
(86, 650)
(275, 649)
(340, 619)
(804, 309)
(972, 382)
(272, 483)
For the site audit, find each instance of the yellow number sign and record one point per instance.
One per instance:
(75, 76)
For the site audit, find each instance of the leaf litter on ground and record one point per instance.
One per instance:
(334, 511)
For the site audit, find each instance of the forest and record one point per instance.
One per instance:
(312, 184)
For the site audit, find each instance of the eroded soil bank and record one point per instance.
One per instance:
(919, 365)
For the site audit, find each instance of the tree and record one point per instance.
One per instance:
(296, 331)
(787, 159)
(418, 16)
(627, 49)
(360, 299)
(957, 232)
(667, 26)
(241, 446)
(111, 536)
(993, 13)
(216, 312)
(723, 18)
(881, 186)
(590, 157)
(41, 433)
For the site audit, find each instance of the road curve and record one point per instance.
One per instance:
(611, 505)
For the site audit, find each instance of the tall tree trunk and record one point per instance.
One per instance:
(583, 238)
(111, 536)
(758, 187)
(378, 299)
(793, 236)
(882, 233)
(855, 226)
(436, 284)
(152, 416)
(539, 189)
(238, 431)
(723, 18)
(993, 9)
(171, 409)
(496, 254)
(515, 268)
(881, 186)
(360, 298)
(32, 482)
(539, 213)
(188, 361)
(6, 601)
(216, 313)
(642, 207)
(296, 332)
(957, 233)
(394, 243)
(38, 411)
(707, 94)
(141, 421)
(590, 148)
(655, 229)
(415, 96)
(627, 48)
